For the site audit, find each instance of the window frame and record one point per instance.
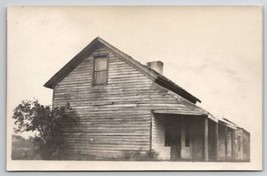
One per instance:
(187, 137)
(104, 55)
(166, 137)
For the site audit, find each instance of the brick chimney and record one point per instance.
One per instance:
(156, 65)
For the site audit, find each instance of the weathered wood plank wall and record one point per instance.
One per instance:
(246, 147)
(241, 145)
(109, 119)
(212, 139)
(117, 117)
(114, 117)
(222, 142)
(158, 138)
(238, 147)
(229, 152)
(198, 138)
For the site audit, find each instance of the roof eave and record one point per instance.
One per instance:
(70, 65)
(180, 90)
(51, 83)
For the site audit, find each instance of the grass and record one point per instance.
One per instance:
(22, 149)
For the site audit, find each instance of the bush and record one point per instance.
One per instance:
(139, 155)
(48, 124)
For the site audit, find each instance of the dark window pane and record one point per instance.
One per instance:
(100, 77)
(167, 136)
(100, 63)
(187, 135)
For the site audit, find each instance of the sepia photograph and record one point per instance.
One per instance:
(134, 88)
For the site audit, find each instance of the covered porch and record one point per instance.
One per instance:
(201, 137)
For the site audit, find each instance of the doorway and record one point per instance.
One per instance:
(173, 139)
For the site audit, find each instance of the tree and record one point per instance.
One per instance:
(48, 124)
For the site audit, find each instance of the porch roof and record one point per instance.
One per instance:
(179, 112)
(192, 112)
(227, 123)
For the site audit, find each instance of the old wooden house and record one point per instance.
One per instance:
(123, 105)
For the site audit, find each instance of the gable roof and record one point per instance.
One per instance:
(98, 42)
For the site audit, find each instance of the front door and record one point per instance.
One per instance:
(174, 140)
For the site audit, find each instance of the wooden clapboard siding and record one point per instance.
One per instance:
(212, 139)
(121, 115)
(246, 145)
(221, 141)
(242, 149)
(110, 119)
(198, 138)
(117, 117)
(238, 148)
(158, 135)
(229, 144)
(158, 138)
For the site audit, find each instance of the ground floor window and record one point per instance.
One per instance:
(167, 137)
(187, 135)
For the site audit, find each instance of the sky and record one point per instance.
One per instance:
(215, 53)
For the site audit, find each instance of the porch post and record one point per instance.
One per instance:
(226, 142)
(206, 140)
(216, 142)
(232, 142)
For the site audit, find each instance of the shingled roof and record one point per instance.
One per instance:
(98, 42)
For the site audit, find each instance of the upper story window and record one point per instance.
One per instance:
(100, 70)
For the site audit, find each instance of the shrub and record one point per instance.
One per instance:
(48, 123)
(139, 155)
